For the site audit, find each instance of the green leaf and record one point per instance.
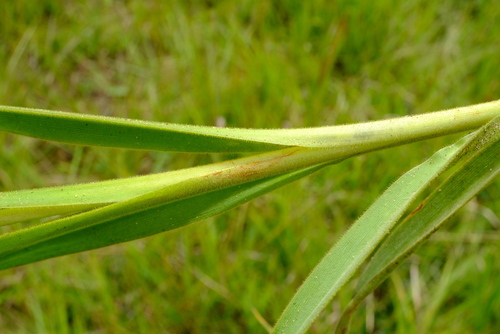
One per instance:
(24, 205)
(480, 169)
(18, 206)
(134, 134)
(126, 133)
(343, 141)
(348, 254)
(136, 218)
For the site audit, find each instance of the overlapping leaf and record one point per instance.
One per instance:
(116, 211)
(481, 168)
(348, 254)
(22, 205)
(135, 134)
(138, 217)
(337, 142)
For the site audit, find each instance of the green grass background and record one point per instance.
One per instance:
(252, 64)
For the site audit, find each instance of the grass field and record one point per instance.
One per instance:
(255, 64)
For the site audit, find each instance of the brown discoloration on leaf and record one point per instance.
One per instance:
(258, 167)
(417, 209)
(249, 171)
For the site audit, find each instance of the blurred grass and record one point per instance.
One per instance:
(251, 64)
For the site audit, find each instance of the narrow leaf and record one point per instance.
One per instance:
(132, 219)
(17, 206)
(134, 134)
(347, 255)
(481, 168)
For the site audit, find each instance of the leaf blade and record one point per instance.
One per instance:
(134, 134)
(481, 167)
(99, 228)
(346, 256)
(59, 200)
(104, 131)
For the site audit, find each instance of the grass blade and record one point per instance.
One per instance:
(29, 204)
(134, 134)
(347, 255)
(93, 130)
(128, 220)
(19, 206)
(481, 168)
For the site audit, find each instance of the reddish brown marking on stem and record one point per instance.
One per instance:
(417, 209)
(257, 167)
